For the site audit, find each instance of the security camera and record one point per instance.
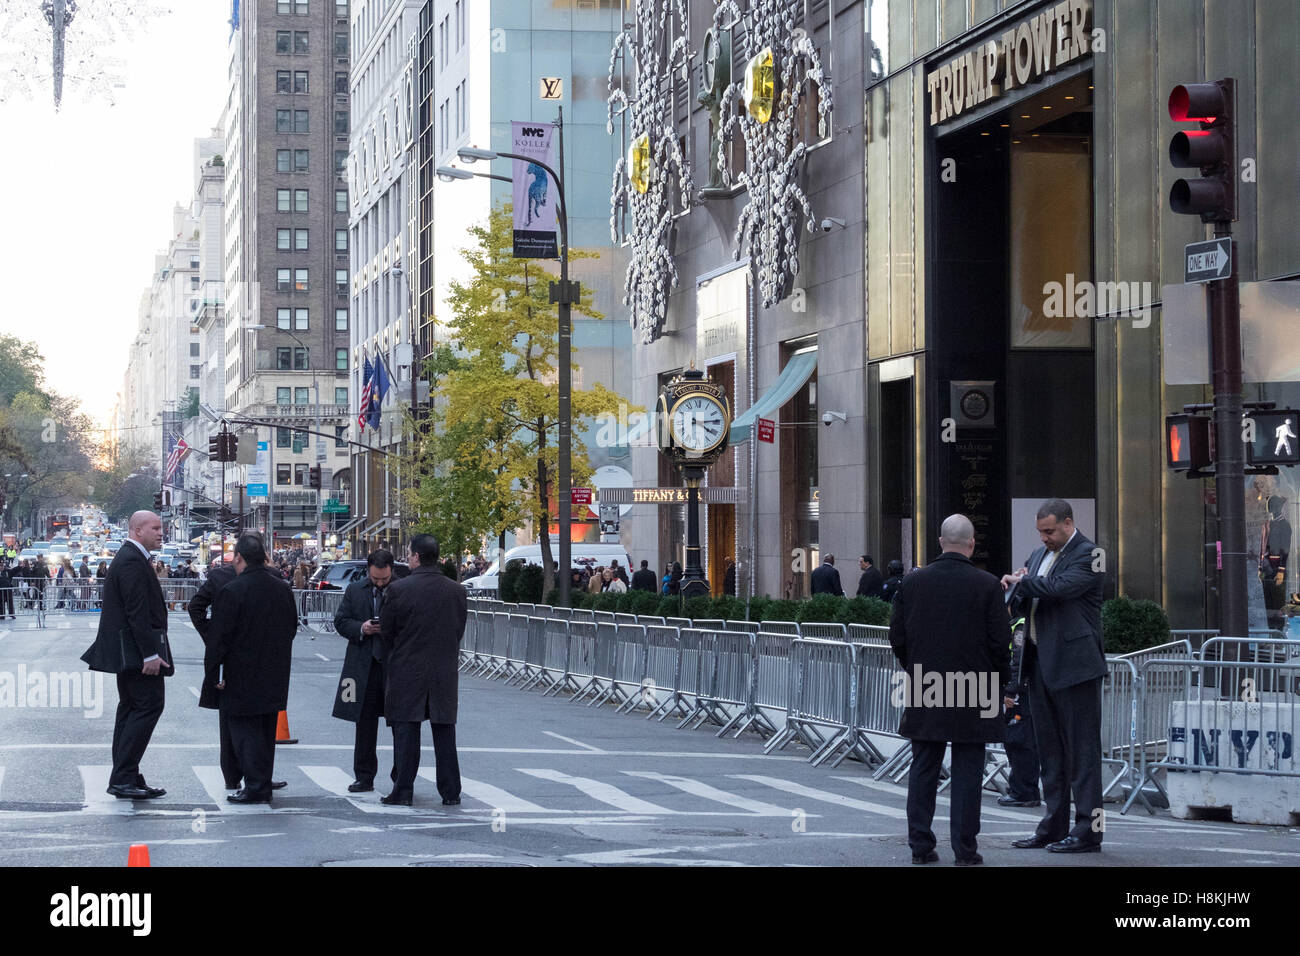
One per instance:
(827, 225)
(828, 417)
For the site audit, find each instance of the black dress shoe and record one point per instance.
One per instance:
(975, 860)
(1034, 842)
(396, 799)
(356, 786)
(454, 802)
(243, 796)
(1072, 844)
(154, 791)
(125, 791)
(1009, 801)
(930, 857)
(279, 784)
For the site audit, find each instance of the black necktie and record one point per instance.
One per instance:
(377, 601)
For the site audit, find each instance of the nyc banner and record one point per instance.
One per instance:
(535, 195)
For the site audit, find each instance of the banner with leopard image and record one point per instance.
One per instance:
(536, 197)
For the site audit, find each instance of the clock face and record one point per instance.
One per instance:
(975, 404)
(699, 422)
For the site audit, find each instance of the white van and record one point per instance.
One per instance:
(582, 555)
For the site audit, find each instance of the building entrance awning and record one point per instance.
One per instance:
(792, 378)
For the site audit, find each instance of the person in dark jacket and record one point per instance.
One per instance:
(360, 697)
(209, 696)
(254, 620)
(132, 643)
(644, 580)
(949, 628)
(825, 579)
(729, 578)
(890, 587)
(871, 581)
(421, 626)
(675, 579)
(7, 592)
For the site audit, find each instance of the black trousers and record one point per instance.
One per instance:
(922, 788)
(7, 601)
(365, 759)
(1022, 755)
(230, 768)
(406, 757)
(140, 699)
(253, 740)
(1067, 727)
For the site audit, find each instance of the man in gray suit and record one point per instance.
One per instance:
(1060, 593)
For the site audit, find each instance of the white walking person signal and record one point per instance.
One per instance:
(1283, 433)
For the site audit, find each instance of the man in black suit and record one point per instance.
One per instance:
(420, 627)
(871, 580)
(826, 580)
(1060, 593)
(132, 643)
(254, 620)
(360, 697)
(949, 623)
(209, 697)
(6, 591)
(645, 580)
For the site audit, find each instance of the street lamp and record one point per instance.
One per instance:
(563, 293)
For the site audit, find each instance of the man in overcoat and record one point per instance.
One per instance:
(420, 629)
(950, 632)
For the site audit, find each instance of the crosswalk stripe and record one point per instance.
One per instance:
(494, 797)
(214, 782)
(335, 780)
(825, 796)
(94, 785)
(1027, 815)
(2, 782)
(700, 789)
(604, 792)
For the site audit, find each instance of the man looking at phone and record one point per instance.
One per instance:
(360, 696)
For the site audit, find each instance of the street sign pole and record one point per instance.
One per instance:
(1230, 478)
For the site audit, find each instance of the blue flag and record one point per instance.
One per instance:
(378, 390)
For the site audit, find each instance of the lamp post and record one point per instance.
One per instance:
(564, 293)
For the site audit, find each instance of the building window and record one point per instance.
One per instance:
(283, 474)
(300, 474)
(301, 121)
(341, 200)
(282, 318)
(282, 239)
(340, 82)
(300, 7)
(299, 41)
(282, 439)
(340, 320)
(299, 280)
(340, 396)
(300, 240)
(340, 121)
(462, 108)
(300, 160)
(340, 360)
(300, 81)
(340, 240)
(341, 282)
(340, 44)
(196, 371)
(341, 435)
(460, 23)
(282, 396)
(283, 280)
(442, 42)
(282, 200)
(283, 160)
(194, 283)
(194, 350)
(300, 360)
(283, 359)
(284, 7)
(284, 121)
(340, 160)
(283, 81)
(300, 320)
(302, 396)
(283, 41)
(341, 9)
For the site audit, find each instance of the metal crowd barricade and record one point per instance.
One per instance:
(516, 649)
(470, 643)
(629, 664)
(868, 634)
(771, 682)
(581, 614)
(780, 627)
(649, 619)
(678, 622)
(533, 670)
(823, 631)
(749, 627)
(1119, 718)
(662, 672)
(600, 685)
(709, 624)
(581, 656)
(1149, 731)
(556, 655)
(498, 648)
(621, 617)
(819, 711)
(316, 610)
(695, 676)
(733, 677)
(1271, 650)
(606, 617)
(176, 594)
(878, 708)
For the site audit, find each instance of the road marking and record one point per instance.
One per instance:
(1241, 850)
(496, 798)
(577, 743)
(3, 635)
(604, 792)
(322, 656)
(825, 796)
(543, 751)
(648, 855)
(94, 783)
(214, 782)
(195, 692)
(998, 812)
(255, 836)
(713, 793)
(335, 781)
(2, 780)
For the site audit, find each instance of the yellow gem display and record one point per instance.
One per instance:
(760, 85)
(638, 161)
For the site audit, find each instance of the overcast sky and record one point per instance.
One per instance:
(89, 191)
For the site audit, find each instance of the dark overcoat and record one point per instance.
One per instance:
(355, 609)
(950, 620)
(203, 599)
(420, 630)
(254, 620)
(133, 622)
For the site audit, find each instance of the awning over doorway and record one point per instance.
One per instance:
(792, 378)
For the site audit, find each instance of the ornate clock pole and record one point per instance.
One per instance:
(694, 419)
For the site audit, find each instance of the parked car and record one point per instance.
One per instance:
(582, 554)
(337, 576)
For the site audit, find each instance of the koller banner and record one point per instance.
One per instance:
(535, 194)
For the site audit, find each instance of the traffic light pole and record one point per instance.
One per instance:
(1230, 475)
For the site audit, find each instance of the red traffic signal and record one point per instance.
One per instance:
(1187, 442)
(1210, 149)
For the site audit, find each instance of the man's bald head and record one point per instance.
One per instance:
(146, 527)
(957, 534)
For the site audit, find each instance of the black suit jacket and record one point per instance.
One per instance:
(355, 609)
(254, 620)
(421, 627)
(133, 612)
(826, 580)
(218, 578)
(871, 582)
(645, 580)
(950, 618)
(1068, 620)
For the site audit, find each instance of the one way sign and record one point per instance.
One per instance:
(1208, 261)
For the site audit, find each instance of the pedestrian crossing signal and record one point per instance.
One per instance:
(1187, 441)
(1276, 441)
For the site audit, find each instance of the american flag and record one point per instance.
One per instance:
(367, 387)
(176, 457)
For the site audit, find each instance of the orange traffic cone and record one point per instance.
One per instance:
(282, 729)
(138, 855)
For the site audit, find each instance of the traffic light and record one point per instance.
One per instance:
(1211, 149)
(313, 476)
(1187, 440)
(214, 447)
(1275, 441)
(157, 501)
(232, 446)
